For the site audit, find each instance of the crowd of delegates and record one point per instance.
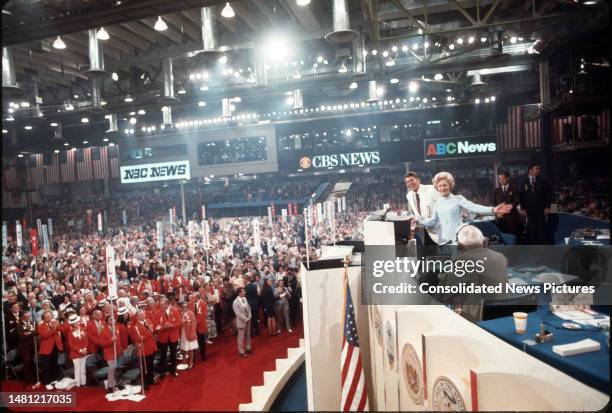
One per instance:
(171, 303)
(584, 197)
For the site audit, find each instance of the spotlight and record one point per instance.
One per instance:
(413, 86)
(477, 101)
(404, 48)
(513, 39)
(128, 99)
(4, 131)
(69, 106)
(460, 40)
(438, 76)
(449, 98)
(385, 53)
(227, 11)
(483, 39)
(102, 34)
(160, 25)
(56, 151)
(380, 91)
(84, 120)
(471, 39)
(133, 121)
(201, 103)
(59, 43)
(353, 85)
(103, 140)
(115, 76)
(141, 112)
(487, 100)
(302, 3)
(426, 45)
(85, 142)
(181, 91)
(27, 127)
(53, 124)
(374, 52)
(492, 98)
(451, 46)
(289, 100)
(66, 144)
(342, 68)
(394, 80)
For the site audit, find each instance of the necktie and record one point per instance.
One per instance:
(418, 202)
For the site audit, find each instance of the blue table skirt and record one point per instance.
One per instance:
(592, 369)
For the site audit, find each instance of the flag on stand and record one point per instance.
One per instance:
(354, 392)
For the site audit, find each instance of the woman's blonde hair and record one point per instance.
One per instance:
(443, 176)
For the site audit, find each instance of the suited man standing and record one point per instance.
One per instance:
(420, 204)
(507, 193)
(242, 310)
(535, 201)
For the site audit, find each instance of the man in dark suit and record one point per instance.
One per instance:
(535, 201)
(252, 296)
(507, 193)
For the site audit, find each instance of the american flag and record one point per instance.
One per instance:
(83, 164)
(67, 165)
(37, 170)
(531, 115)
(113, 156)
(52, 168)
(100, 162)
(9, 173)
(354, 392)
(562, 129)
(509, 129)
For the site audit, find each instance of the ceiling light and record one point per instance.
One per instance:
(20, 155)
(483, 39)
(10, 118)
(374, 52)
(25, 104)
(513, 39)
(85, 142)
(487, 100)
(460, 40)
(53, 124)
(289, 100)
(128, 99)
(4, 131)
(390, 62)
(222, 60)
(302, 2)
(353, 85)
(115, 76)
(471, 39)
(56, 151)
(394, 80)
(385, 53)
(141, 112)
(160, 25)
(476, 101)
(415, 46)
(413, 86)
(451, 46)
(27, 127)
(492, 98)
(11, 110)
(103, 140)
(204, 87)
(380, 91)
(103, 103)
(424, 100)
(102, 34)
(405, 48)
(59, 43)
(133, 121)
(201, 103)
(449, 98)
(181, 91)
(84, 120)
(111, 144)
(438, 76)
(426, 45)
(342, 68)
(66, 144)
(589, 3)
(132, 113)
(227, 11)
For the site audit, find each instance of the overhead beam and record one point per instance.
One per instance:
(101, 16)
(463, 11)
(303, 14)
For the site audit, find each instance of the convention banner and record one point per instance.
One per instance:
(162, 171)
(205, 234)
(45, 236)
(39, 225)
(99, 221)
(111, 276)
(203, 212)
(124, 214)
(18, 234)
(171, 216)
(270, 215)
(343, 204)
(284, 214)
(50, 227)
(455, 148)
(160, 234)
(34, 241)
(256, 235)
(4, 235)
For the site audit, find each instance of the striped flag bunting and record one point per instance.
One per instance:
(52, 169)
(100, 163)
(531, 126)
(9, 173)
(67, 165)
(37, 170)
(113, 156)
(84, 164)
(509, 129)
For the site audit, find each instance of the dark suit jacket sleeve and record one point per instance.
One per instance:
(516, 196)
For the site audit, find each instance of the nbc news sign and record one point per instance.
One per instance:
(453, 148)
(163, 171)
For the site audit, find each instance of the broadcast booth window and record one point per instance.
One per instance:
(233, 151)
(329, 139)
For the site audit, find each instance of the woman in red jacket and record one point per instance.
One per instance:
(77, 349)
(189, 339)
(50, 346)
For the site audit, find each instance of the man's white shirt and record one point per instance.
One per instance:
(428, 196)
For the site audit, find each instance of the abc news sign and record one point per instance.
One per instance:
(454, 148)
(339, 160)
(163, 171)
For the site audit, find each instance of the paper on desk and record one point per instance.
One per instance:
(574, 315)
(584, 346)
(553, 277)
(517, 281)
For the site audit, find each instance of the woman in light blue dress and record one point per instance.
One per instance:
(447, 209)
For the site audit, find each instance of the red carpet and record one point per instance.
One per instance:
(222, 382)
